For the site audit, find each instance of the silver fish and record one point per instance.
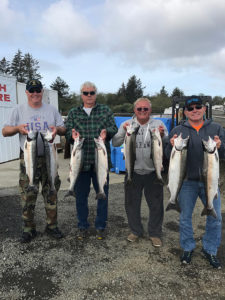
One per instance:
(177, 170)
(157, 153)
(210, 175)
(51, 158)
(130, 150)
(76, 162)
(101, 166)
(30, 157)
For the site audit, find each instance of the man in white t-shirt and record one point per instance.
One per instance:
(38, 117)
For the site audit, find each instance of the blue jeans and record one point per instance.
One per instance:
(82, 190)
(187, 199)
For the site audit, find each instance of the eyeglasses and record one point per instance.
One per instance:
(191, 108)
(92, 93)
(33, 90)
(142, 108)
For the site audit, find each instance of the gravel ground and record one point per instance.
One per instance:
(109, 269)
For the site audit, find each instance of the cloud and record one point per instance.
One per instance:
(11, 24)
(63, 27)
(152, 33)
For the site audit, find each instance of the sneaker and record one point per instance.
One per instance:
(55, 232)
(81, 234)
(156, 242)
(132, 238)
(28, 236)
(213, 260)
(100, 234)
(186, 257)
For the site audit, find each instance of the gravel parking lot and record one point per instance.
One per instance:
(109, 269)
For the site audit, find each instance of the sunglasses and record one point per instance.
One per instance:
(195, 107)
(33, 90)
(142, 108)
(92, 93)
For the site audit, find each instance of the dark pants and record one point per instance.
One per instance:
(82, 190)
(153, 192)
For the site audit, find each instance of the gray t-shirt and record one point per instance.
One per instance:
(143, 163)
(37, 119)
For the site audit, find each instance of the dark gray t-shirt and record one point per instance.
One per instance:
(37, 119)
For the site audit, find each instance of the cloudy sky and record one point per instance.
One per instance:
(175, 43)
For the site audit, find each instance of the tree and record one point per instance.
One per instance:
(17, 66)
(4, 66)
(61, 86)
(134, 89)
(177, 93)
(163, 92)
(30, 67)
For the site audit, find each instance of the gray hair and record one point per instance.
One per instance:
(142, 99)
(88, 84)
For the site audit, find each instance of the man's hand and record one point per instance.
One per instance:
(125, 125)
(75, 134)
(218, 141)
(53, 131)
(103, 134)
(161, 130)
(172, 139)
(22, 128)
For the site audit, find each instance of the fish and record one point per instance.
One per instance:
(210, 174)
(177, 170)
(101, 166)
(76, 163)
(130, 150)
(51, 158)
(157, 153)
(30, 158)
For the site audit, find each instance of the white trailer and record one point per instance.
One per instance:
(13, 93)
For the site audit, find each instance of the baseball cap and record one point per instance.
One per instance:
(193, 100)
(33, 83)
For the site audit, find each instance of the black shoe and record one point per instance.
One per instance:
(186, 257)
(81, 233)
(100, 234)
(55, 233)
(213, 260)
(28, 236)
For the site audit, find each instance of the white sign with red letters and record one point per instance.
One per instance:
(7, 91)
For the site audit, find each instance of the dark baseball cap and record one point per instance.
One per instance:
(193, 100)
(33, 83)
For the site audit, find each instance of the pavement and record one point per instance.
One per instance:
(9, 173)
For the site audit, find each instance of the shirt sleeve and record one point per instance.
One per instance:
(118, 138)
(111, 125)
(13, 118)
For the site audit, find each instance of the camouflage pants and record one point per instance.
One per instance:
(29, 197)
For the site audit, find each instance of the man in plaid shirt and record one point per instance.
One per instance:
(89, 121)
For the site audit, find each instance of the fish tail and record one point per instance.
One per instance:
(173, 206)
(32, 188)
(70, 193)
(209, 212)
(100, 196)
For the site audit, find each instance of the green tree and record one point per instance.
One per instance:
(163, 92)
(4, 66)
(177, 93)
(134, 89)
(61, 86)
(17, 66)
(30, 67)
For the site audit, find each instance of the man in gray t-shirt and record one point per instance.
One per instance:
(37, 117)
(144, 174)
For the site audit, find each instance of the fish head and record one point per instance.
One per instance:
(99, 143)
(32, 135)
(209, 146)
(78, 142)
(132, 129)
(47, 135)
(155, 134)
(180, 143)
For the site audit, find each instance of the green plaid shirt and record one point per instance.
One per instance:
(89, 127)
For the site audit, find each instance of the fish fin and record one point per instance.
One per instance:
(174, 206)
(209, 212)
(100, 196)
(70, 193)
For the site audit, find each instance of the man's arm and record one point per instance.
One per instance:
(12, 130)
(111, 128)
